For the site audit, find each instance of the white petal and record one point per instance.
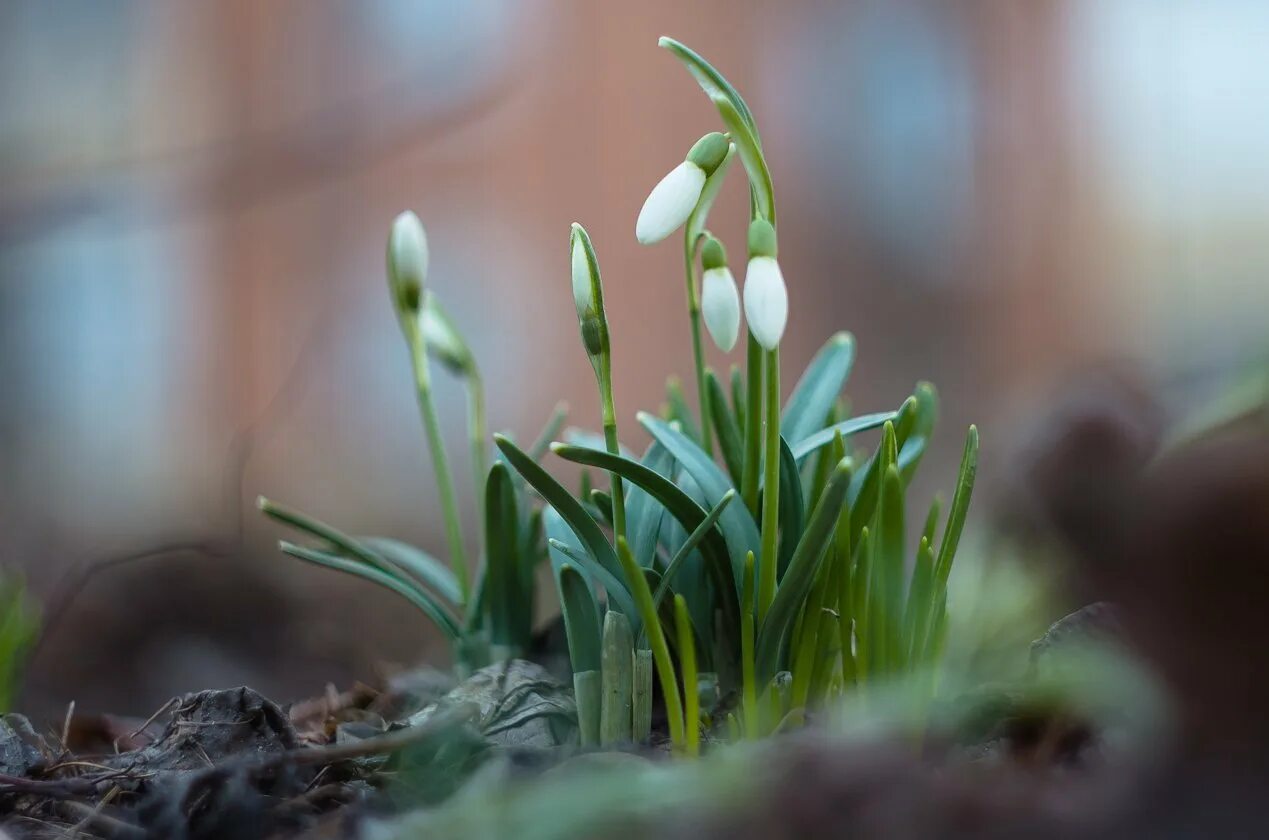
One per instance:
(720, 304)
(407, 249)
(582, 293)
(670, 203)
(766, 301)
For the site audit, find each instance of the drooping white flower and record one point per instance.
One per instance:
(407, 261)
(766, 296)
(720, 300)
(675, 196)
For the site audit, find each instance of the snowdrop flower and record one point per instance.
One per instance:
(766, 298)
(407, 263)
(674, 198)
(720, 302)
(587, 292)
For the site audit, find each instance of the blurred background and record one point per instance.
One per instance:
(194, 198)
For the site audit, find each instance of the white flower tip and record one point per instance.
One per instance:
(583, 293)
(407, 249)
(669, 204)
(766, 301)
(720, 306)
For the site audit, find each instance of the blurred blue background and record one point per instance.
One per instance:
(194, 197)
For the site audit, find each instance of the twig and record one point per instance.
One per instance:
(108, 824)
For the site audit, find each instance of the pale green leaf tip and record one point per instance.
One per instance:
(264, 504)
(840, 339)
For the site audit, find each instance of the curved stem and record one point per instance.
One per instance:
(440, 464)
(477, 431)
(612, 443)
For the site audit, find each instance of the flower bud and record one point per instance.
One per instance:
(766, 296)
(720, 301)
(588, 294)
(444, 341)
(407, 263)
(674, 198)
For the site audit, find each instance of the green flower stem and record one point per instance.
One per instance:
(478, 433)
(771, 485)
(440, 463)
(609, 410)
(638, 586)
(749, 687)
(698, 350)
(753, 426)
(691, 691)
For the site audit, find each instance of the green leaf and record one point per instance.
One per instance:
(680, 505)
(711, 81)
(421, 565)
(602, 561)
(924, 417)
(750, 151)
(738, 400)
(693, 540)
(728, 431)
(643, 512)
(421, 599)
(505, 601)
(800, 575)
(342, 543)
(792, 505)
(581, 619)
(818, 389)
(679, 412)
(739, 530)
(888, 566)
(960, 507)
(824, 437)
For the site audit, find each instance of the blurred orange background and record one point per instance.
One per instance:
(991, 195)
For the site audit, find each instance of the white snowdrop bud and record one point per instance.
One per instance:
(720, 301)
(588, 293)
(674, 198)
(407, 262)
(766, 297)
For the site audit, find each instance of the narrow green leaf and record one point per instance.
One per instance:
(888, 568)
(916, 617)
(581, 619)
(643, 512)
(816, 392)
(711, 81)
(550, 431)
(792, 506)
(728, 431)
(436, 575)
(739, 530)
(679, 411)
(616, 708)
(924, 418)
(750, 151)
(738, 400)
(862, 423)
(602, 561)
(693, 540)
(502, 578)
(960, 507)
(421, 599)
(800, 575)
